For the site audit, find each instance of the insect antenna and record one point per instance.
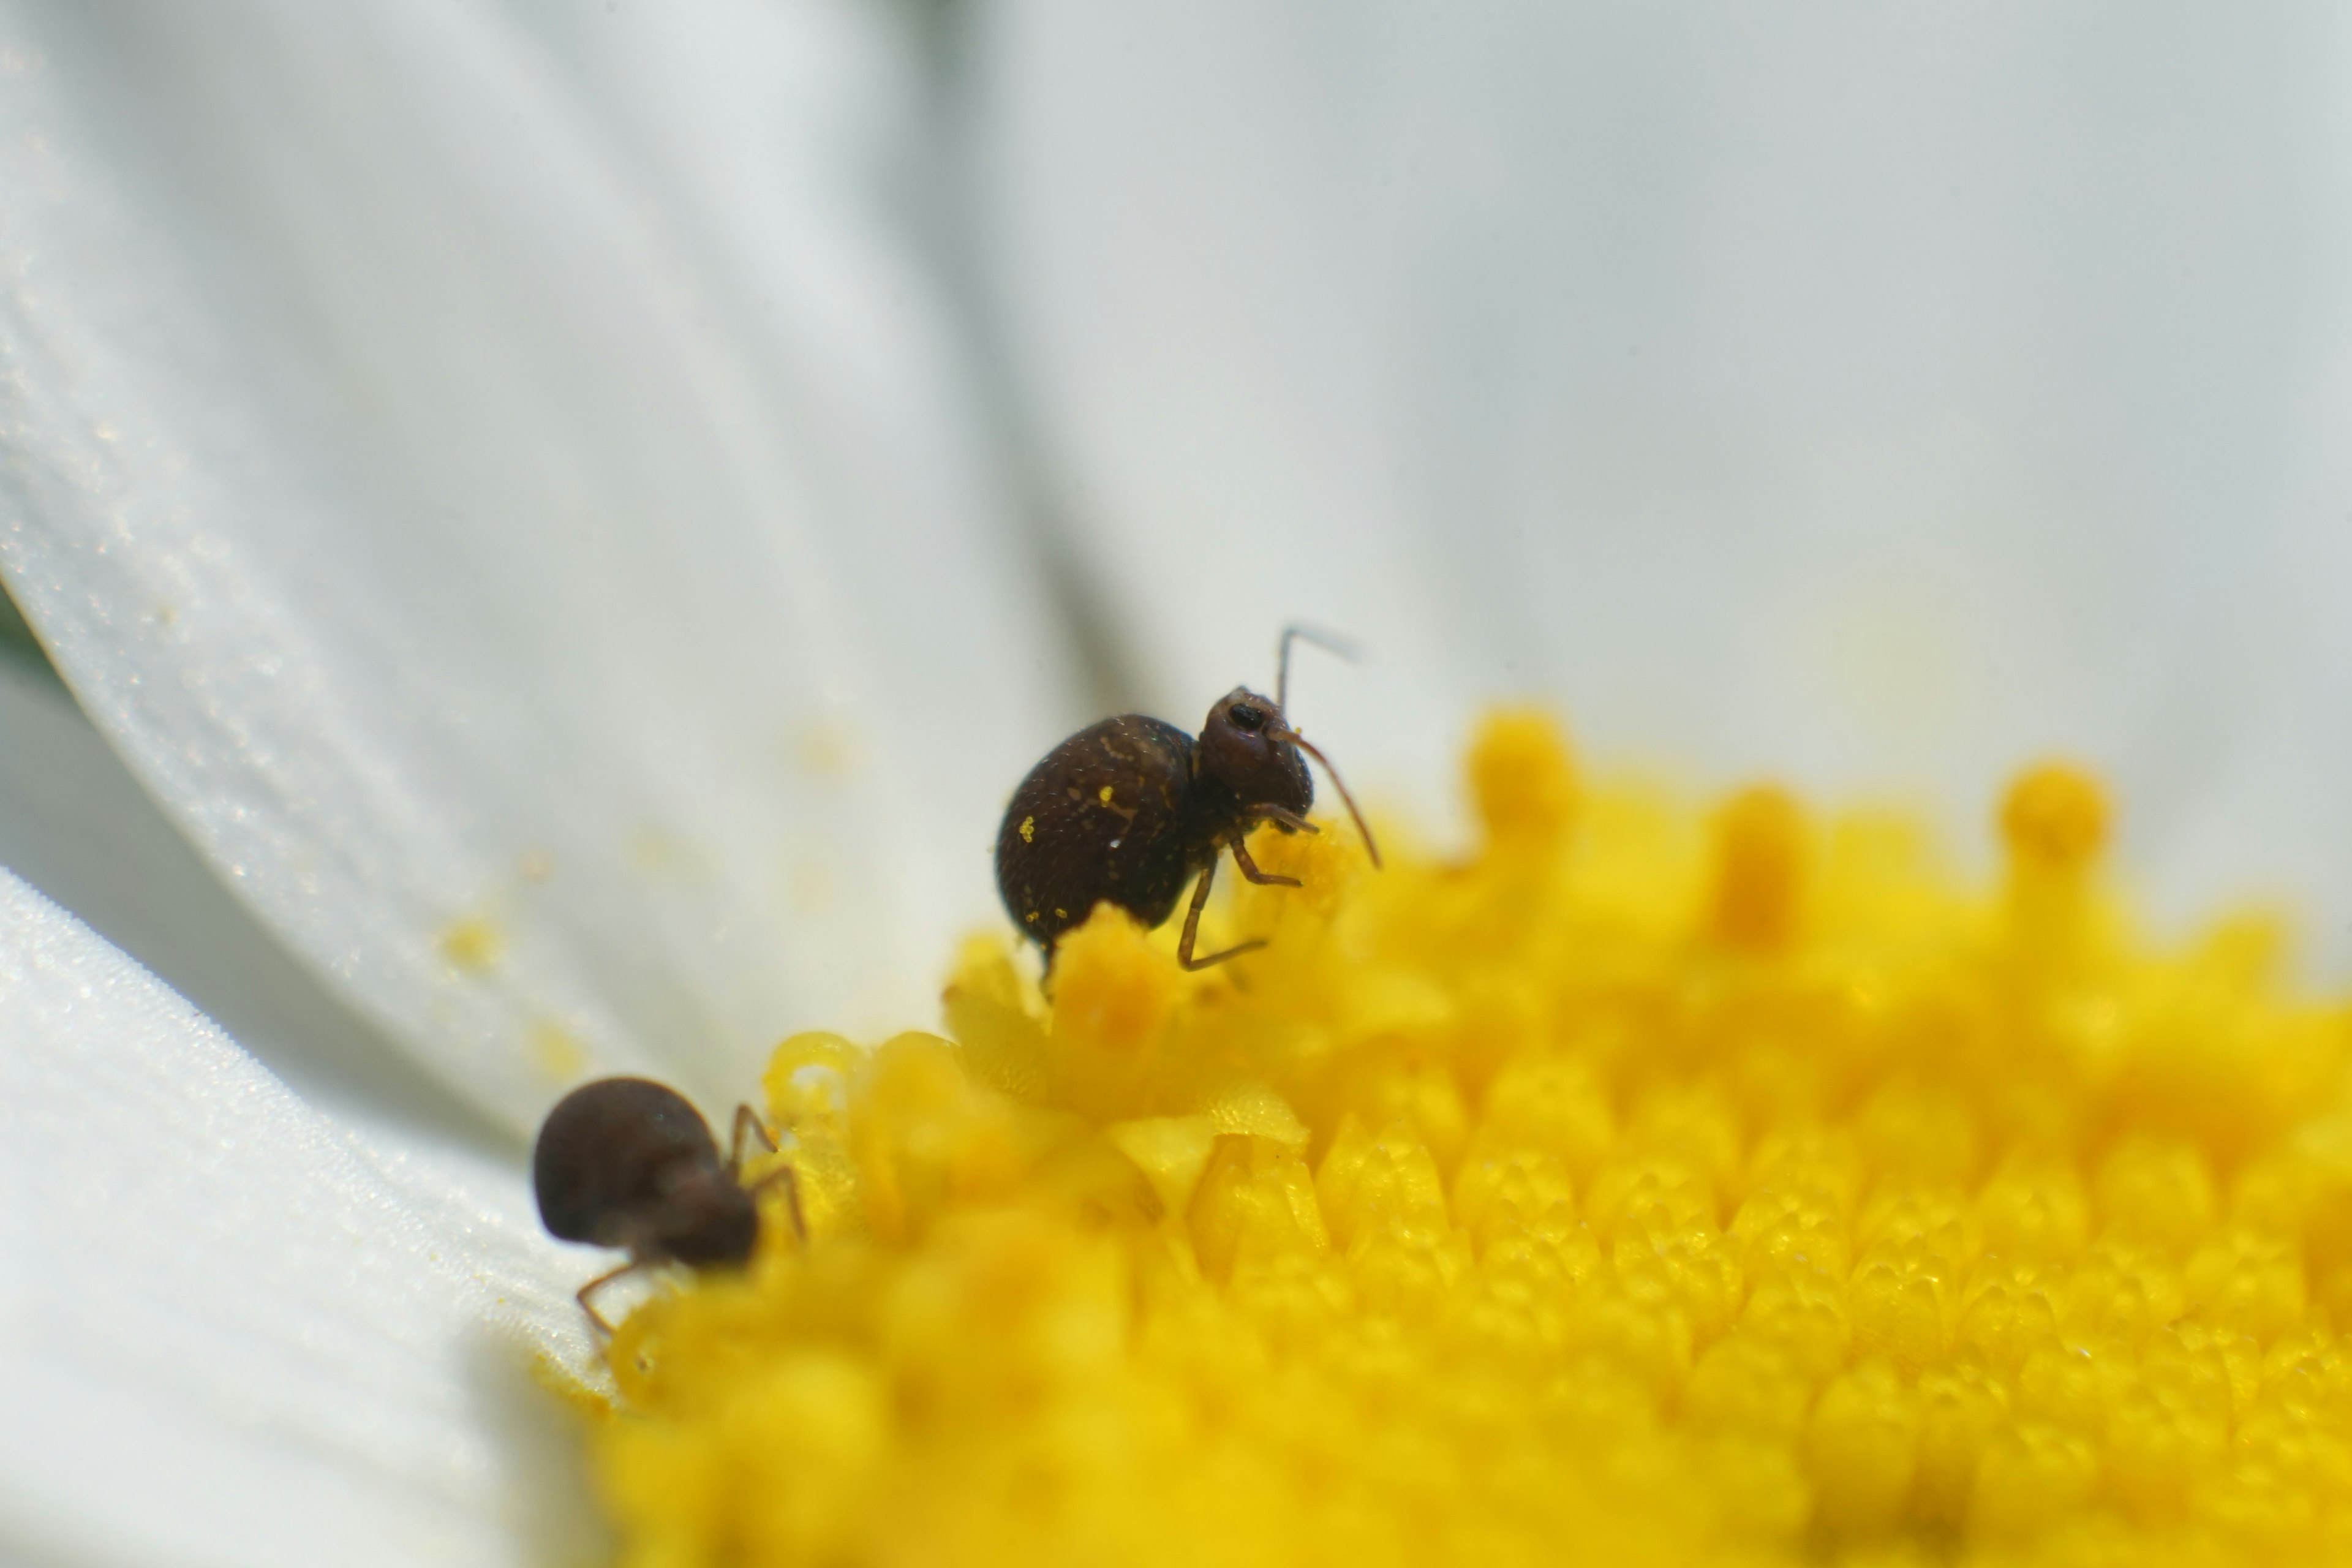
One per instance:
(1328, 642)
(1285, 732)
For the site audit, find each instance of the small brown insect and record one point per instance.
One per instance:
(1125, 811)
(628, 1163)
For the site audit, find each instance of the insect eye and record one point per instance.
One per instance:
(1248, 716)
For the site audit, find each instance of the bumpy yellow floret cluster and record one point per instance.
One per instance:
(1652, 1187)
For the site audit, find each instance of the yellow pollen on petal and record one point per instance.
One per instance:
(472, 945)
(1659, 1184)
(558, 1051)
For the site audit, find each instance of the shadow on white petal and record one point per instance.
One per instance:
(554, 1516)
(232, 1332)
(76, 826)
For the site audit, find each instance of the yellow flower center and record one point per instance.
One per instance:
(1651, 1187)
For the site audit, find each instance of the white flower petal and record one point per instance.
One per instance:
(574, 614)
(232, 1333)
(1877, 396)
(75, 824)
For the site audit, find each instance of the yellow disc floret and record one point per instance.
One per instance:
(2056, 815)
(1654, 1186)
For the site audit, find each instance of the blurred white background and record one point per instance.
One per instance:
(705, 451)
(1875, 398)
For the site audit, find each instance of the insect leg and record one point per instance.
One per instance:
(1284, 733)
(791, 1185)
(597, 1284)
(747, 1117)
(1192, 916)
(1262, 878)
(1193, 929)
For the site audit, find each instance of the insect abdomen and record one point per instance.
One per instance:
(1104, 818)
(602, 1153)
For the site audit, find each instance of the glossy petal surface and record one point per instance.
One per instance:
(561, 596)
(76, 826)
(233, 1333)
